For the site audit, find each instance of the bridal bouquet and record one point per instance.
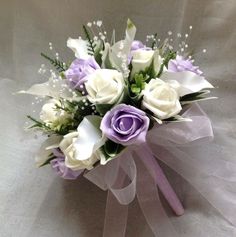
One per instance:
(114, 111)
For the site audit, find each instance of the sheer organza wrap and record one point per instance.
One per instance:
(136, 173)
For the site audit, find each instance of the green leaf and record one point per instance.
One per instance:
(170, 55)
(91, 44)
(107, 62)
(103, 108)
(112, 149)
(196, 96)
(97, 52)
(60, 66)
(47, 162)
(177, 118)
(135, 89)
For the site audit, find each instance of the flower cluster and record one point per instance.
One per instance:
(110, 96)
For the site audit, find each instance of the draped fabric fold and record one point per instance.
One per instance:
(136, 172)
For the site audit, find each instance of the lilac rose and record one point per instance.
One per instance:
(125, 124)
(136, 44)
(181, 64)
(58, 165)
(79, 70)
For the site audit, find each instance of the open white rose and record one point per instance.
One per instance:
(49, 114)
(81, 148)
(162, 98)
(142, 59)
(104, 86)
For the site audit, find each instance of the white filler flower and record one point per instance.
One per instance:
(50, 115)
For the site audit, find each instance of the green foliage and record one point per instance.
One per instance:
(57, 127)
(75, 112)
(47, 162)
(91, 44)
(196, 96)
(38, 124)
(139, 83)
(111, 149)
(97, 53)
(103, 108)
(168, 56)
(177, 118)
(60, 66)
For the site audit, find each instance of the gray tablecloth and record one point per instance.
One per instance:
(36, 203)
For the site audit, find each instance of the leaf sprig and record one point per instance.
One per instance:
(59, 65)
(91, 44)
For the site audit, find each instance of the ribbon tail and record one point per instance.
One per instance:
(115, 217)
(162, 182)
(150, 204)
(213, 188)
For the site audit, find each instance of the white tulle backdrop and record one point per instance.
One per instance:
(36, 203)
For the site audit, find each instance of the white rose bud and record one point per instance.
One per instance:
(50, 115)
(68, 147)
(104, 86)
(142, 59)
(81, 148)
(162, 98)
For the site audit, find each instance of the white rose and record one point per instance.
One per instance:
(142, 59)
(104, 86)
(49, 114)
(162, 98)
(81, 148)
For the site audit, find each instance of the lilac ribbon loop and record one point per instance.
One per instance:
(127, 176)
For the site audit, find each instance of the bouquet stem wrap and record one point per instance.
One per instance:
(136, 172)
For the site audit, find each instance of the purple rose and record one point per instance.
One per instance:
(125, 124)
(79, 70)
(58, 165)
(180, 64)
(136, 44)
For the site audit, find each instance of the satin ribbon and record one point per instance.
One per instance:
(136, 172)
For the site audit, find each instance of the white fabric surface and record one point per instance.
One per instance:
(36, 203)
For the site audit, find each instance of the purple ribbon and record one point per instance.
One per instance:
(127, 176)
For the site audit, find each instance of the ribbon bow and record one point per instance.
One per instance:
(136, 172)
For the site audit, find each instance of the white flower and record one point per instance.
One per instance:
(81, 148)
(142, 59)
(79, 47)
(104, 86)
(45, 150)
(189, 82)
(162, 98)
(49, 114)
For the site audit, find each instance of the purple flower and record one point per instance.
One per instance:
(58, 165)
(79, 70)
(136, 44)
(180, 64)
(125, 124)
